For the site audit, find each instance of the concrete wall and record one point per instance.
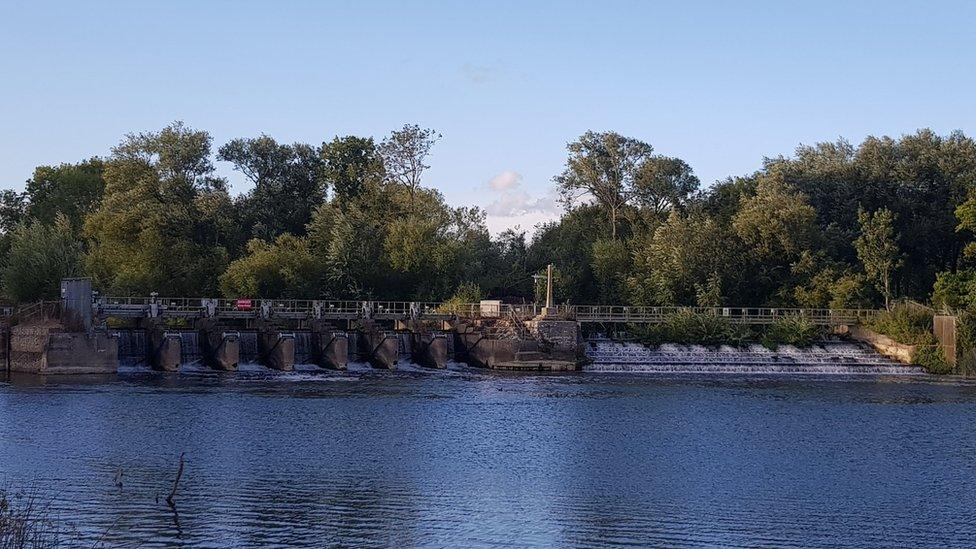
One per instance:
(563, 338)
(884, 344)
(50, 350)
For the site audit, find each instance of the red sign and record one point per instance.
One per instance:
(243, 304)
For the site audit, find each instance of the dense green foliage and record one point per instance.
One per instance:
(905, 323)
(832, 226)
(792, 330)
(911, 324)
(688, 327)
(40, 256)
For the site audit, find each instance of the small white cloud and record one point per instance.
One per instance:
(513, 206)
(508, 179)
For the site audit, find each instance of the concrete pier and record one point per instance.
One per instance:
(431, 349)
(381, 348)
(276, 350)
(221, 349)
(546, 345)
(165, 350)
(330, 349)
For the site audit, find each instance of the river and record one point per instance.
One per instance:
(466, 457)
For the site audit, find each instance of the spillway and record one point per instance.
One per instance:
(830, 358)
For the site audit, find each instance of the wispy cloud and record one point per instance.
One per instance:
(513, 206)
(478, 74)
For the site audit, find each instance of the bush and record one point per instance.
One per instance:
(466, 293)
(792, 330)
(907, 324)
(932, 359)
(40, 256)
(912, 325)
(966, 342)
(687, 327)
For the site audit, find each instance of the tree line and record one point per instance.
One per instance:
(834, 225)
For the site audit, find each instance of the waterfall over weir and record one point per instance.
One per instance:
(829, 358)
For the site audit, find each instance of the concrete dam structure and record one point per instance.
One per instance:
(85, 333)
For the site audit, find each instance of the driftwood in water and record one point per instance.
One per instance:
(176, 483)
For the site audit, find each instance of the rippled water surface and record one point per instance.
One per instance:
(469, 458)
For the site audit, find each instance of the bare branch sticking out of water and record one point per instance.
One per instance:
(171, 500)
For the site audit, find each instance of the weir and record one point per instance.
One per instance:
(166, 333)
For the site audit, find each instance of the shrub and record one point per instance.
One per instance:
(932, 359)
(23, 522)
(466, 293)
(690, 328)
(908, 324)
(791, 330)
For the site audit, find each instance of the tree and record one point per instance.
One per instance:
(350, 164)
(405, 152)
(160, 225)
(663, 184)
(285, 268)
(777, 223)
(13, 210)
(288, 183)
(681, 256)
(603, 166)
(40, 256)
(877, 248)
(611, 261)
(74, 190)
(921, 177)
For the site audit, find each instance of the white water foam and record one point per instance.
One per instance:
(830, 358)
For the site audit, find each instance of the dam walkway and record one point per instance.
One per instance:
(291, 309)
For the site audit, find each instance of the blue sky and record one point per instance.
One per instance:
(508, 84)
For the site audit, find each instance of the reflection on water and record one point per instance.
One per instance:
(465, 457)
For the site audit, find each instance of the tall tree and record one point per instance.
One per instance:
(405, 153)
(71, 189)
(41, 255)
(350, 164)
(288, 183)
(877, 248)
(603, 166)
(663, 183)
(160, 224)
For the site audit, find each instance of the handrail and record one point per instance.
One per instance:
(403, 310)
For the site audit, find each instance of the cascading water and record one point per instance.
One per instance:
(828, 358)
(352, 338)
(405, 344)
(303, 348)
(190, 347)
(133, 347)
(249, 347)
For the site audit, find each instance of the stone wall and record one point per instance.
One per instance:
(884, 344)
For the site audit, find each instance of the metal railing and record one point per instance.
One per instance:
(297, 309)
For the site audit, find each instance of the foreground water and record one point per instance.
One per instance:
(467, 458)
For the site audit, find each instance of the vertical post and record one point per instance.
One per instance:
(549, 309)
(549, 285)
